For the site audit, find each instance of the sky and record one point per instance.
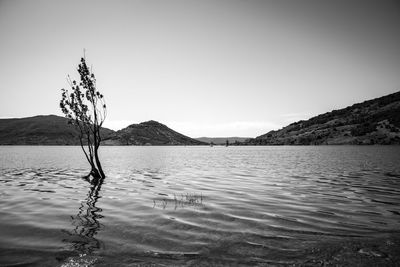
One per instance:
(212, 68)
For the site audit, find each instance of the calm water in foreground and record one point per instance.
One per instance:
(207, 206)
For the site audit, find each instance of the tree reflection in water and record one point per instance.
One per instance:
(82, 237)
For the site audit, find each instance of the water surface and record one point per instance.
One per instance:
(250, 206)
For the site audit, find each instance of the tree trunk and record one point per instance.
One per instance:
(94, 172)
(99, 168)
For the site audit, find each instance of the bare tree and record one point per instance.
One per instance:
(85, 108)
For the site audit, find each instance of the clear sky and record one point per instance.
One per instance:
(205, 67)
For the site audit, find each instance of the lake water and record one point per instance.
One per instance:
(201, 206)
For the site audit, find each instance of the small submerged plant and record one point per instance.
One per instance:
(181, 200)
(85, 108)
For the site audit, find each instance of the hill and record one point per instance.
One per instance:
(40, 130)
(222, 140)
(54, 130)
(150, 133)
(375, 121)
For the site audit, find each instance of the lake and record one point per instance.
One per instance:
(201, 206)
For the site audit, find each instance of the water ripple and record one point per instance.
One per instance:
(188, 206)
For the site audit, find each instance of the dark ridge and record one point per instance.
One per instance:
(150, 133)
(54, 130)
(41, 130)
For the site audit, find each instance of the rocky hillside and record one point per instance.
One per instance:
(150, 133)
(41, 130)
(375, 121)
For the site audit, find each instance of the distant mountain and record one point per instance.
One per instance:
(375, 121)
(54, 130)
(150, 133)
(222, 140)
(41, 130)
